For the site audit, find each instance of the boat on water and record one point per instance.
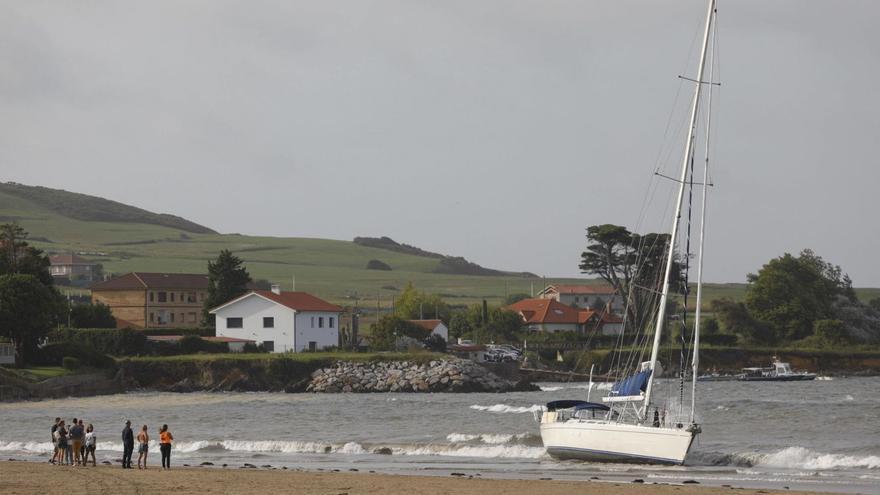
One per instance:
(632, 423)
(777, 372)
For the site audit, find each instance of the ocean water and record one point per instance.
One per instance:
(822, 435)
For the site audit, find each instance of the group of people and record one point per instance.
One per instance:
(143, 441)
(74, 443)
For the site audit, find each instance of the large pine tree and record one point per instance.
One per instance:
(227, 279)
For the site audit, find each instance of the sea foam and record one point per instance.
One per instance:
(504, 408)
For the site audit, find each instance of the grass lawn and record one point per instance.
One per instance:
(40, 373)
(305, 357)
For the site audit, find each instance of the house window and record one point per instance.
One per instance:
(269, 345)
(193, 317)
(320, 322)
(172, 317)
(201, 296)
(313, 322)
(182, 319)
(330, 324)
(163, 297)
(191, 297)
(151, 296)
(234, 323)
(268, 322)
(152, 317)
(172, 297)
(313, 346)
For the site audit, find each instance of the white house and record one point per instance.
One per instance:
(280, 321)
(593, 296)
(435, 326)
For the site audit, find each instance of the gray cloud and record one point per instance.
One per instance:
(497, 130)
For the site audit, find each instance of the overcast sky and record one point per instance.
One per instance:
(495, 130)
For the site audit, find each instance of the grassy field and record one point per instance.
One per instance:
(40, 373)
(332, 269)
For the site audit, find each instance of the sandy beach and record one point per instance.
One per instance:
(34, 478)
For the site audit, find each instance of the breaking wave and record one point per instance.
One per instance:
(788, 458)
(801, 458)
(504, 408)
(491, 446)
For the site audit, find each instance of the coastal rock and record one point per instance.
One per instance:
(448, 375)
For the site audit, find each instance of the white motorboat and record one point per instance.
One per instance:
(632, 424)
(777, 372)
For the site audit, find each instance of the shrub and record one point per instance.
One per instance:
(54, 354)
(116, 342)
(70, 363)
(378, 265)
(192, 344)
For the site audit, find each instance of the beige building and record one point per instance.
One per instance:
(154, 300)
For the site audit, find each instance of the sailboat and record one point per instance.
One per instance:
(628, 426)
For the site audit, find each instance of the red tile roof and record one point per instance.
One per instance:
(300, 301)
(426, 324)
(545, 311)
(68, 259)
(595, 289)
(147, 280)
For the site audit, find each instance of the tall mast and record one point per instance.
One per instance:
(688, 150)
(696, 358)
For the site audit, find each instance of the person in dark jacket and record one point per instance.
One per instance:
(127, 445)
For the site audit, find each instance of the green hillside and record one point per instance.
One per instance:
(126, 240)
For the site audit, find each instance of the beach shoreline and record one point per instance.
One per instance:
(38, 478)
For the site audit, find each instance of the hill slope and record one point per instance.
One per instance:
(332, 269)
(94, 209)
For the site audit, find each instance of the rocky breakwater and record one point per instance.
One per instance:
(448, 375)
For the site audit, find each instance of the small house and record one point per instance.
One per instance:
(280, 321)
(436, 327)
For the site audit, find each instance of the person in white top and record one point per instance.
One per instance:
(90, 445)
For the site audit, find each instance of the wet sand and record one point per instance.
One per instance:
(36, 478)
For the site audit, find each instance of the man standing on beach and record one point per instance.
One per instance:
(127, 445)
(55, 440)
(75, 436)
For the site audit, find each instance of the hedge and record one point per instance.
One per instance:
(116, 342)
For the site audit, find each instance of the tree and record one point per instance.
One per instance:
(875, 304)
(515, 298)
(633, 265)
(735, 318)
(227, 279)
(790, 293)
(459, 325)
(829, 333)
(385, 333)
(28, 310)
(16, 256)
(413, 304)
(92, 316)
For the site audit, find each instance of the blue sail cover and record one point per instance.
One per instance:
(633, 385)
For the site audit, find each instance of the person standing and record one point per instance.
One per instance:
(165, 439)
(75, 438)
(62, 443)
(55, 440)
(68, 451)
(90, 445)
(143, 446)
(127, 445)
(82, 449)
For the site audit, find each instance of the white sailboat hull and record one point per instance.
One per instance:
(616, 442)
